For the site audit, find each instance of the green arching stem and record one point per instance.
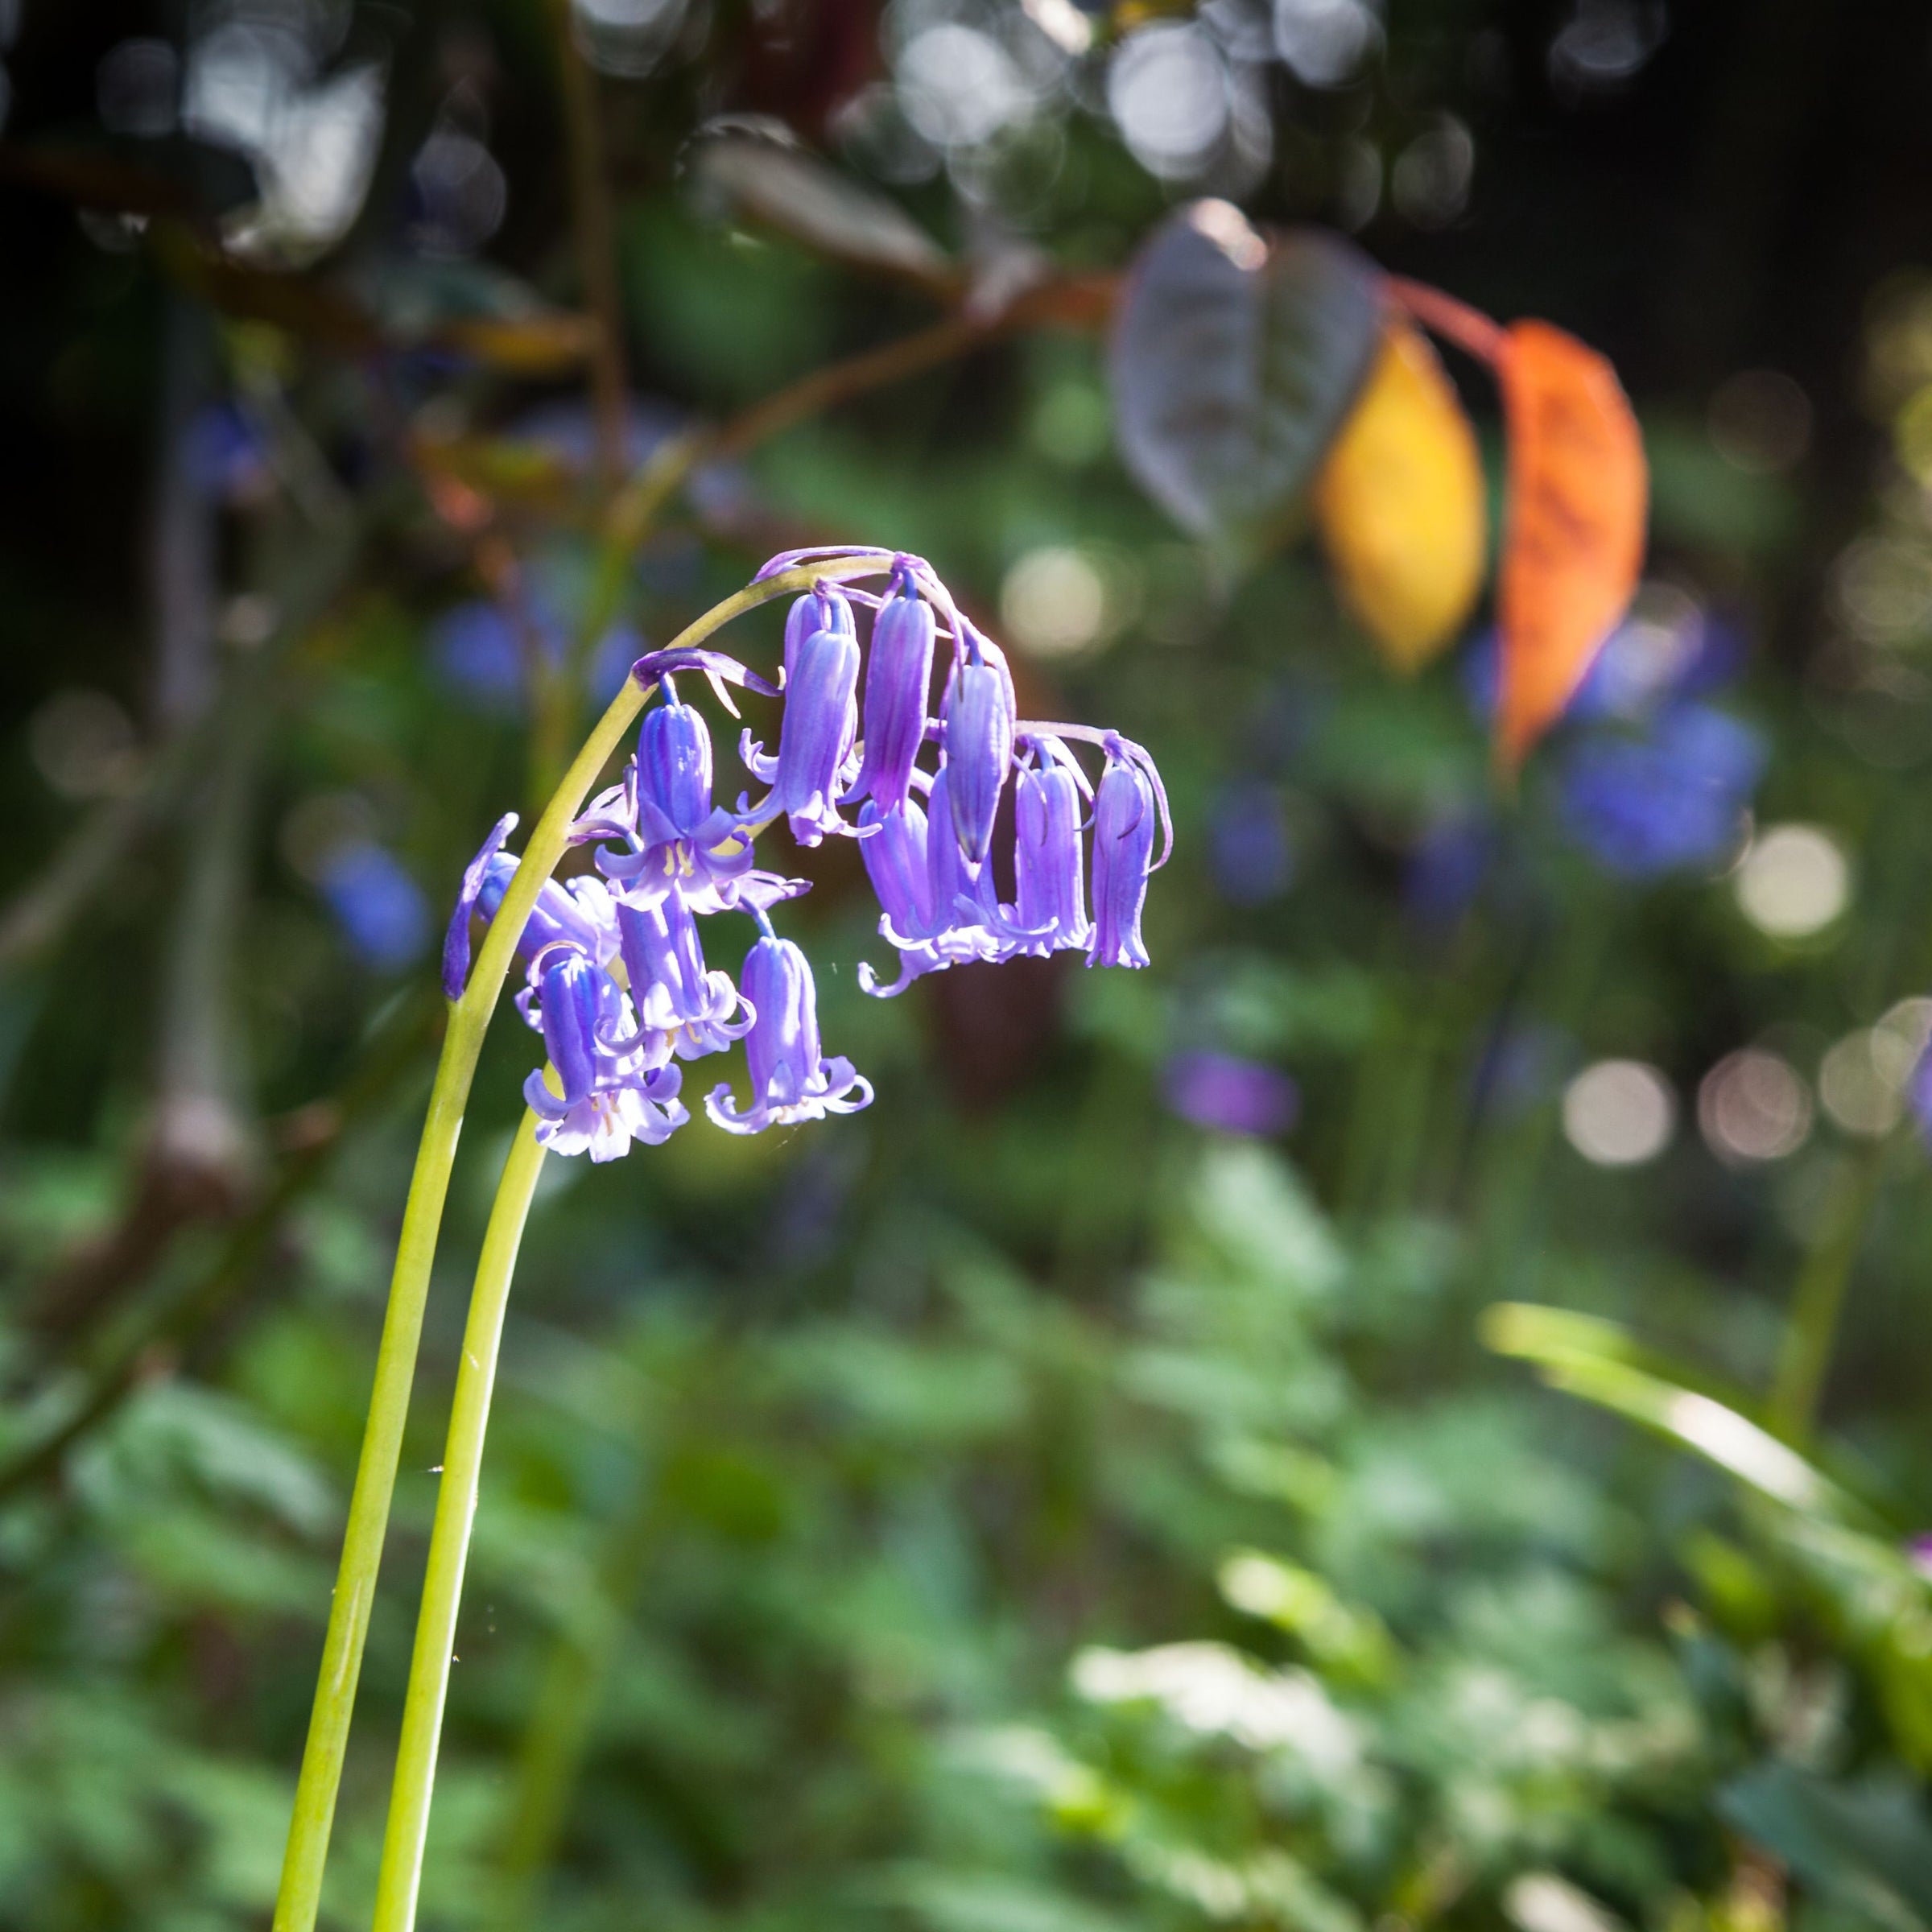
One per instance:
(401, 1875)
(299, 1897)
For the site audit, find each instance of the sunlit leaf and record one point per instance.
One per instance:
(1399, 504)
(786, 189)
(1578, 491)
(1696, 1422)
(1235, 361)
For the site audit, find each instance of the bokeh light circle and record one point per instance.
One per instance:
(1754, 1106)
(1619, 1113)
(1794, 880)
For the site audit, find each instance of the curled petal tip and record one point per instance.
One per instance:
(717, 666)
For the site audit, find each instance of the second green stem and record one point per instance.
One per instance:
(402, 1870)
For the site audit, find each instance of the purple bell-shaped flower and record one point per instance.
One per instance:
(898, 676)
(824, 607)
(978, 714)
(1124, 814)
(791, 1079)
(602, 1100)
(697, 1009)
(816, 737)
(669, 835)
(934, 912)
(574, 913)
(1049, 872)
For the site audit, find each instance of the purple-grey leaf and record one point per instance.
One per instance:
(1235, 359)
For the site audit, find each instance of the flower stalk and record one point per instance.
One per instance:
(401, 1875)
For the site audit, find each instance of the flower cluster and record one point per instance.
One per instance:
(616, 981)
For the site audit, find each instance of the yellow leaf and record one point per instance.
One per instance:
(1399, 504)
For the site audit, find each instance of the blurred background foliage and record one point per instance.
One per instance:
(1100, 1485)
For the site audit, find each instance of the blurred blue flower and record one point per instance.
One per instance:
(476, 649)
(1248, 849)
(1230, 1095)
(227, 452)
(1519, 1065)
(1645, 664)
(1667, 801)
(381, 910)
(1448, 865)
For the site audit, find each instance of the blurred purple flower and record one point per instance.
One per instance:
(1230, 1095)
(1448, 865)
(381, 910)
(1248, 849)
(1666, 802)
(227, 452)
(1519, 1065)
(476, 649)
(1919, 1096)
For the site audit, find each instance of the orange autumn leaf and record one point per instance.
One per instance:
(1399, 503)
(1579, 490)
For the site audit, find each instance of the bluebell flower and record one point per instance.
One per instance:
(1123, 852)
(898, 677)
(670, 837)
(936, 913)
(675, 995)
(817, 736)
(1048, 867)
(379, 908)
(456, 939)
(979, 716)
(579, 912)
(791, 1080)
(1670, 800)
(602, 1099)
(1230, 1095)
(824, 607)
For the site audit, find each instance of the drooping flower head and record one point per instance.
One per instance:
(791, 1080)
(618, 982)
(667, 835)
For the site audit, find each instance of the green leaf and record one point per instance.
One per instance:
(1236, 360)
(1871, 1846)
(1595, 1360)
